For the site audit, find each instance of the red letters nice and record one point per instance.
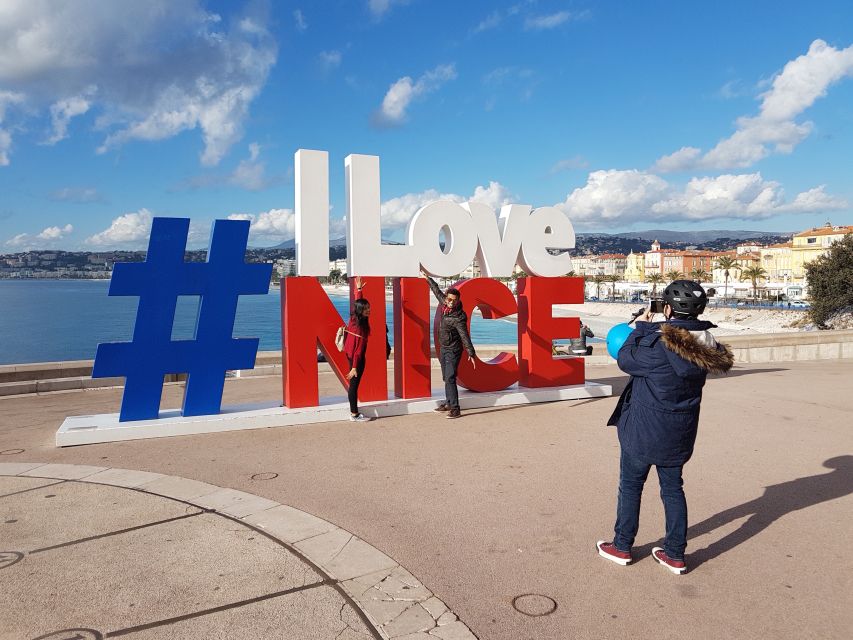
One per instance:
(517, 235)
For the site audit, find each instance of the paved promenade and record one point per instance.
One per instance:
(422, 528)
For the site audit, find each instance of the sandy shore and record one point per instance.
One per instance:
(601, 316)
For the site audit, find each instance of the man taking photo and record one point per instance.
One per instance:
(657, 416)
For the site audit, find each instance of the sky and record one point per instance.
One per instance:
(625, 115)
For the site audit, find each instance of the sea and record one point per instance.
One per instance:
(55, 320)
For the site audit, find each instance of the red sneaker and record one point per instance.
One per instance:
(676, 566)
(608, 550)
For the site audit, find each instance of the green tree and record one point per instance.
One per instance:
(830, 279)
(727, 264)
(754, 274)
(700, 275)
(674, 275)
(599, 280)
(655, 279)
(335, 276)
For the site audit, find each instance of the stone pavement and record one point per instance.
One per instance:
(181, 558)
(494, 516)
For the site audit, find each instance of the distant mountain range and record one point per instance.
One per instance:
(694, 237)
(662, 235)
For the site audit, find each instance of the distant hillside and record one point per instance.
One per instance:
(636, 241)
(696, 237)
(291, 244)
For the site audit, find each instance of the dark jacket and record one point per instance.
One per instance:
(657, 415)
(578, 345)
(453, 325)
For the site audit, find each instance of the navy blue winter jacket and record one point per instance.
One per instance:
(657, 415)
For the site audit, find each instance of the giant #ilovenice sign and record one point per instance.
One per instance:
(518, 235)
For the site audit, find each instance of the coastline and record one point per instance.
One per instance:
(601, 316)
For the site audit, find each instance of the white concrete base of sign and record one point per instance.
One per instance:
(106, 427)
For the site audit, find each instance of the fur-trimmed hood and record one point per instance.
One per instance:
(697, 347)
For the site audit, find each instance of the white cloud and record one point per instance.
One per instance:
(160, 67)
(491, 21)
(130, 228)
(774, 130)
(405, 90)
(538, 23)
(249, 174)
(299, 20)
(330, 59)
(62, 111)
(7, 98)
(46, 238)
(76, 194)
(55, 233)
(396, 212)
(612, 198)
(378, 8)
(19, 240)
(275, 224)
(569, 164)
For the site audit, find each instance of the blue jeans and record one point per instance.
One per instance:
(449, 365)
(632, 477)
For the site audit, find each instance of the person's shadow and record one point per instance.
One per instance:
(778, 500)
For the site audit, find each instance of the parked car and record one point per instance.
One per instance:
(592, 299)
(799, 304)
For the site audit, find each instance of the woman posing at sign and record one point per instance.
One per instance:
(355, 348)
(452, 339)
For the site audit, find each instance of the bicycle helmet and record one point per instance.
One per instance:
(686, 297)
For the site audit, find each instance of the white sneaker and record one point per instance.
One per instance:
(359, 418)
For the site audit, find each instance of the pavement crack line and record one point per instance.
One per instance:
(224, 607)
(116, 533)
(43, 486)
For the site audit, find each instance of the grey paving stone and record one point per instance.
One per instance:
(412, 620)
(10, 484)
(178, 488)
(321, 549)
(16, 468)
(453, 631)
(289, 524)
(234, 503)
(124, 477)
(435, 607)
(71, 511)
(314, 614)
(148, 575)
(357, 558)
(63, 471)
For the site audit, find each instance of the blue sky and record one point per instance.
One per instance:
(627, 115)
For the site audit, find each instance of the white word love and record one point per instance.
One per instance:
(519, 235)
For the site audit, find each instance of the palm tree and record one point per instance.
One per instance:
(700, 275)
(727, 264)
(755, 274)
(598, 280)
(674, 275)
(655, 279)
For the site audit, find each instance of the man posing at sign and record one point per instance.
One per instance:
(452, 338)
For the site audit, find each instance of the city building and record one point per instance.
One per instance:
(653, 260)
(813, 243)
(635, 267)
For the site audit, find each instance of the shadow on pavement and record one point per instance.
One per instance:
(734, 373)
(778, 500)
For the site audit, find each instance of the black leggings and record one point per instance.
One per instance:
(352, 391)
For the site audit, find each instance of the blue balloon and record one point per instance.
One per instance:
(616, 338)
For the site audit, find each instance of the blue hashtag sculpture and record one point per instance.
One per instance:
(158, 282)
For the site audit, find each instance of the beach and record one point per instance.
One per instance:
(601, 316)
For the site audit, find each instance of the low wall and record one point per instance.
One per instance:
(16, 379)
